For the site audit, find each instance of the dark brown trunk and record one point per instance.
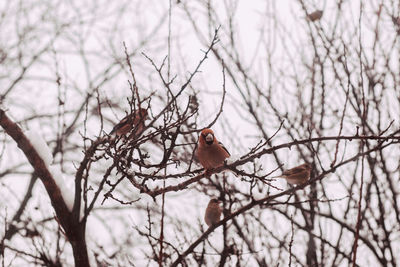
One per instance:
(79, 248)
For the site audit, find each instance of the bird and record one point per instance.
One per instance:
(316, 15)
(213, 212)
(210, 152)
(297, 175)
(132, 121)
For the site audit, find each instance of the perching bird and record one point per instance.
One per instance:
(297, 175)
(132, 121)
(213, 212)
(316, 15)
(210, 152)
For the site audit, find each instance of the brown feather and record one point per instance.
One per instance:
(297, 175)
(134, 120)
(213, 212)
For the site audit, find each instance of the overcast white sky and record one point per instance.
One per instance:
(133, 22)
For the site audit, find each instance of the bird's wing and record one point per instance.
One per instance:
(222, 145)
(121, 124)
(293, 171)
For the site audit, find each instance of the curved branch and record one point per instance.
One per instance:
(267, 199)
(74, 230)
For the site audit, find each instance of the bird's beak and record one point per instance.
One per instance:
(209, 137)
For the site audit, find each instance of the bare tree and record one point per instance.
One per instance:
(324, 91)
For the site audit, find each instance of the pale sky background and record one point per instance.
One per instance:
(37, 95)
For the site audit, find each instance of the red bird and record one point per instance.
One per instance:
(133, 121)
(210, 152)
(213, 212)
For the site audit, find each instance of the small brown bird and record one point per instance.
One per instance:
(132, 121)
(316, 15)
(297, 175)
(213, 212)
(210, 152)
